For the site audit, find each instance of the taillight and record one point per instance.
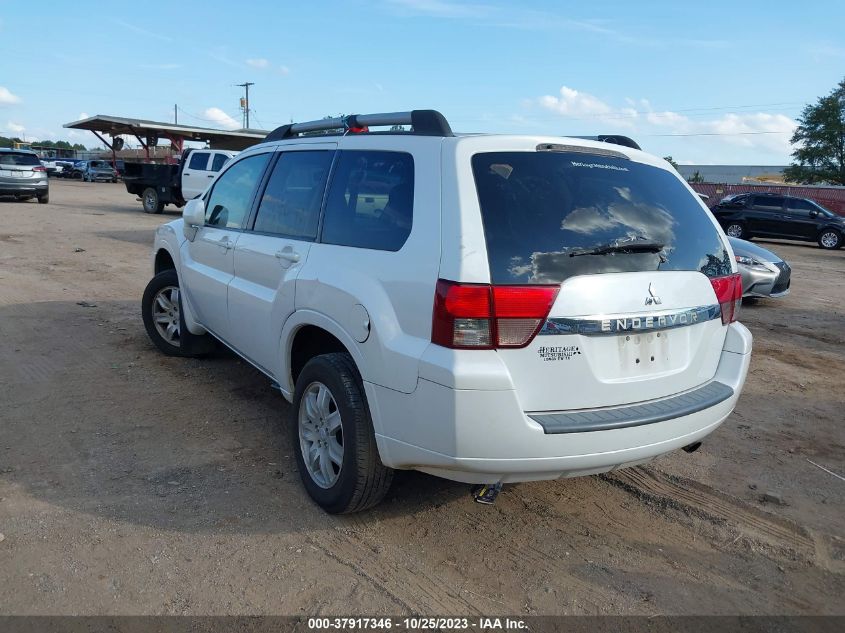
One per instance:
(475, 316)
(39, 168)
(729, 294)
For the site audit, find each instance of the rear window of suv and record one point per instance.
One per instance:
(18, 158)
(544, 211)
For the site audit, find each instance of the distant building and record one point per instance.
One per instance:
(734, 174)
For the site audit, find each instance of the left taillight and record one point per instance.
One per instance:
(728, 291)
(39, 168)
(480, 316)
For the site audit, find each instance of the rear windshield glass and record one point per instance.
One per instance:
(545, 212)
(13, 158)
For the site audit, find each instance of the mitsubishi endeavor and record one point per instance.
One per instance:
(484, 308)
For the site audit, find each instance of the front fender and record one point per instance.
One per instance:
(169, 237)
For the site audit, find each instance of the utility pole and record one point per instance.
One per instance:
(245, 101)
(175, 115)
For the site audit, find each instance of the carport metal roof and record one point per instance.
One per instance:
(147, 131)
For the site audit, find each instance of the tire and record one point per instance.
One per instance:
(44, 198)
(171, 337)
(151, 201)
(736, 229)
(830, 239)
(360, 481)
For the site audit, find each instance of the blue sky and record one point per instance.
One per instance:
(697, 80)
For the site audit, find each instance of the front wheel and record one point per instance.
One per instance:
(830, 239)
(151, 201)
(736, 229)
(161, 310)
(333, 439)
(44, 198)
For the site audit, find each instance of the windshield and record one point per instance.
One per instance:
(22, 158)
(542, 211)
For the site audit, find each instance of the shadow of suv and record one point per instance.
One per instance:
(772, 215)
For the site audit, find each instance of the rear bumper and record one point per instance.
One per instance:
(479, 436)
(12, 188)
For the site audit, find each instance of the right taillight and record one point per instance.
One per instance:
(729, 294)
(480, 316)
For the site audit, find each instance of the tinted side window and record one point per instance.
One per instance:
(772, 203)
(797, 204)
(291, 202)
(231, 198)
(371, 200)
(199, 161)
(218, 162)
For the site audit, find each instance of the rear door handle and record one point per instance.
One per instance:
(210, 176)
(288, 255)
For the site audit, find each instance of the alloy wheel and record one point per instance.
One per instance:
(734, 230)
(829, 239)
(166, 314)
(321, 435)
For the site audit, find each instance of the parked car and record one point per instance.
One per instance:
(98, 171)
(748, 215)
(160, 185)
(23, 176)
(484, 308)
(764, 274)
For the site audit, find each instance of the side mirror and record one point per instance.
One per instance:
(193, 217)
(814, 213)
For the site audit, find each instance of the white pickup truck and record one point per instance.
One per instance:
(160, 185)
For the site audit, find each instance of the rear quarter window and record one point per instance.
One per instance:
(543, 210)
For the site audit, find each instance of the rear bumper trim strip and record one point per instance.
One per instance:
(640, 414)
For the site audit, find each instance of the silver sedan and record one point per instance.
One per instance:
(764, 274)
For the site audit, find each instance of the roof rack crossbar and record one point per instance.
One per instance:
(422, 122)
(615, 139)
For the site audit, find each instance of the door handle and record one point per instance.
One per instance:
(210, 176)
(224, 242)
(289, 255)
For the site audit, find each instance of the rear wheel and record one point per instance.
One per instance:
(333, 437)
(830, 239)
(151, 201)
(161, 310)
(736, 229)
(44, 198)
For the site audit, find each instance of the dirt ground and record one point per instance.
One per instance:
(133, 483)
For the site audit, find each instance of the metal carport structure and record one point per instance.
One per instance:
(149, 132)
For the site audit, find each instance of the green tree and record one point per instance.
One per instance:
(696, 177)
(669, 160)
(819, 141)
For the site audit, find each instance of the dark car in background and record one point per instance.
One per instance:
(23, 176)
(748, 215)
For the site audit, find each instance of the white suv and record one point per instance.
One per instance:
(484, 308)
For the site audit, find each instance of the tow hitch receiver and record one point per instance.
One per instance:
(486, 493)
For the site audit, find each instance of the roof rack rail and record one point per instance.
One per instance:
(422, 122)
(616, 139)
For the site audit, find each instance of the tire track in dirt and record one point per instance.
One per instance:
(691, 497)
(416, 592)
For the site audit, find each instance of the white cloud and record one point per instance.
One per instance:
(15, 128)
(7, 97)
(574, 104)
(258, 62)
(222, 119)
(762, 135)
